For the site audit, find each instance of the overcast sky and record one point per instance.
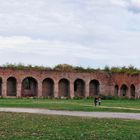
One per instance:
(86, 33)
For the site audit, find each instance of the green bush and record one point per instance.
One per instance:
(109, 97)
(66, 67)
(78, 98)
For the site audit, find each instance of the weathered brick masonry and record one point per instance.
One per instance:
(41, 83)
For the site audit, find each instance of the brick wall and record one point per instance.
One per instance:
(56, 84)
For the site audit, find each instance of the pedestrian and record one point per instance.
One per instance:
(95, 101)
(99, 101)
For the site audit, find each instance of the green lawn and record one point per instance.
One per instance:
(15, 126)
(80, 105)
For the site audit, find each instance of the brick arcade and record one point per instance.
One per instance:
(49, 83)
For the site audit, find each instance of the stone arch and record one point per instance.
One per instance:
(79, 88)
(11, 86)
(29, 87)
(64, 88)
(132, 91)
(94, 87)
(116, 90)
(124, 90)
(48, 87)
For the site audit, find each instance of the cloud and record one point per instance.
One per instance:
(122, 3)
(44, 52)
(131, 5)
(134, 6)
(78, 32)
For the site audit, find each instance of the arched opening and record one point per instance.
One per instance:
(132, 91)
(124, 90)
(48, 88)
(29, 87)
(79, 88)
(94, 88)
(64, 88)
(116, 90)
(11, 86)
(0, 86)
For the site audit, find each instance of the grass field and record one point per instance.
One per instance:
(78, 105)
(15, 126)
(40, 127)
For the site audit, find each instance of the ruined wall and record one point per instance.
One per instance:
(59, 84)
(128, 80)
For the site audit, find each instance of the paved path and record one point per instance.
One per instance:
(135, 116)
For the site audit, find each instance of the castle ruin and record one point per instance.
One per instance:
(58, 84)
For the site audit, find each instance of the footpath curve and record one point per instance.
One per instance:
(135, 116)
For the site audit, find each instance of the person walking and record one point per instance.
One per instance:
(99, 101)
(95, 101)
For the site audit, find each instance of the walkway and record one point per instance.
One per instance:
(135, 116)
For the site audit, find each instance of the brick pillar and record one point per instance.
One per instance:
(56, 90)
(39, 89)
(101, 89)
(128, 93)
(111, 90)
(87, 89)
(71, 89)
(19, 88)
(4, 87)
(119, 92)
(136, 93)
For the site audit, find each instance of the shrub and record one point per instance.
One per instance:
(109, 97)
(78, 98)
(63, 67)
(66, 67)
